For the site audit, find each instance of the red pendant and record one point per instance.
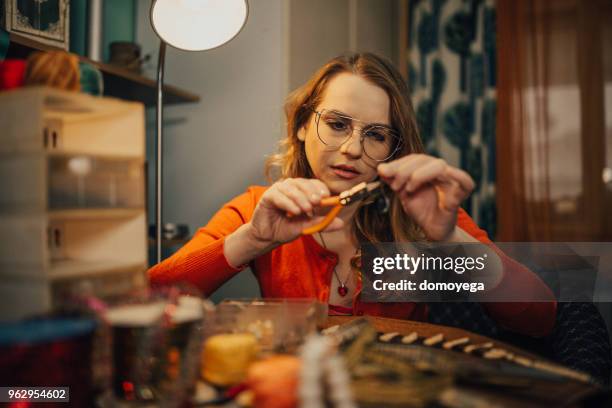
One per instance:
(342, 290)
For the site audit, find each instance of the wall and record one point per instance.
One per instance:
(318, 30)
(118, 23)
(78, 27)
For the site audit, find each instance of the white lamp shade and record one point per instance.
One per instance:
(198, 25)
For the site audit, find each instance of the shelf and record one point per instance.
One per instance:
(82, 269)
(118, 82)
(95, 213)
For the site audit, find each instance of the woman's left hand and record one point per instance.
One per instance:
(430, 191)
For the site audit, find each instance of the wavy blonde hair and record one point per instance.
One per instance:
(369, 225)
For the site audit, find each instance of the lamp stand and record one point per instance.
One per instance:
(159, 109)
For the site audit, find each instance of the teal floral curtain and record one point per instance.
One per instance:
(452, 74)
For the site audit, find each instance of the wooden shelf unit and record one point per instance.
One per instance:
(93, 213)
(73, 213)
(65, 269)
(118, 82)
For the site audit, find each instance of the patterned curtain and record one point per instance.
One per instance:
(451, 74)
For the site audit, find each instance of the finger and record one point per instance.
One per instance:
(404, 197)
(387, 171)
(295, 194)
(285, 204)
(390, 169)
(322, 188)
(405, 171)
(454, 195)
(427, 172)
(310, 189)
(466, 182)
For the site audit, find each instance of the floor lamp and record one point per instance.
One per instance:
(189, 25)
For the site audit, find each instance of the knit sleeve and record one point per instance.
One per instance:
(201, 261)
(532, 318)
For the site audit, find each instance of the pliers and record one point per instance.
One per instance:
(348, 197)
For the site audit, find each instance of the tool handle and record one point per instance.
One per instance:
(325, 202)
(330, 201)
(323, 224)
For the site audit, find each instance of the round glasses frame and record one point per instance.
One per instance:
(397, 141)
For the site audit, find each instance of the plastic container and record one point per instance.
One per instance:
(156, 345)
(280, 325)
(88, 182)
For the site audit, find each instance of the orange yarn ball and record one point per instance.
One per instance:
(57, 69)
(274, 381)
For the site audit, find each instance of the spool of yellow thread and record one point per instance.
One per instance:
(226, 358)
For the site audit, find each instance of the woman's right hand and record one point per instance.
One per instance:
(282, 213)
(286, 208)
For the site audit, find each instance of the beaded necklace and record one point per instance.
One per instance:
(342, 288)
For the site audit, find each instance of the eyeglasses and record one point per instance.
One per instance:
(379, 142)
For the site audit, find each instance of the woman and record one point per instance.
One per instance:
(352, 122)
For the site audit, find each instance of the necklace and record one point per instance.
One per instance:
(342, 288)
